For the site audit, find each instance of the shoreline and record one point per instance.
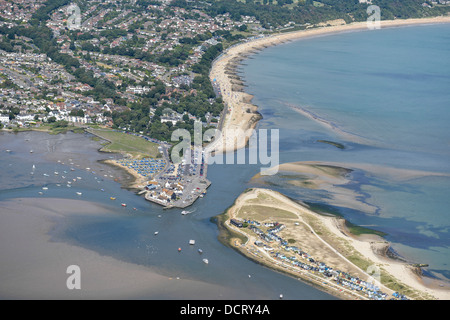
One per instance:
(370, 247)
(36, 259)
(241, 116)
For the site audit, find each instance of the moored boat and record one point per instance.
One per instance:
(205, 261)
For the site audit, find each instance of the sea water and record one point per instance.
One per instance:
(306, 74)
(385, 95)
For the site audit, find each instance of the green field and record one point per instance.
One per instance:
(127, 143)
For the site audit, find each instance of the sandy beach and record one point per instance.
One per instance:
(139, 181)
(242, 116)
(328, 241)
(34, 263)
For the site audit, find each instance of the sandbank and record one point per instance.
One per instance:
(34, 263)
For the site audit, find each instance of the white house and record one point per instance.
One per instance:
(4, 118)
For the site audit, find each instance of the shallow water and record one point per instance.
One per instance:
(386, 93)
(412, 212)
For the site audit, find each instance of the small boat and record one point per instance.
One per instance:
(134, 208)
(191, 242)
(200, 251)
(281, 296)
(156, 232)
(45, 175)
(184, 212)
(44, 188)
(31, 151)
(205, 261)
(8, 150)
(72, 169)
(41, 192)
(56, 173)
(79, 193)
(124, 204)
(179, 249)
(34, 167)
(103, 190)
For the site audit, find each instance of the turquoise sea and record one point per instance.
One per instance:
(385, 95)
(385, 92)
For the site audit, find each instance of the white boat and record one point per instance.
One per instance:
(34, 167)
(205, 261)
(44, 188)
(45, 174)
(156, 232)
(281, 296)
(79, 193)
(31, 151)
(200, 251)
(191, 242)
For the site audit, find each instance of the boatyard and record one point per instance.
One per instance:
(158, 179)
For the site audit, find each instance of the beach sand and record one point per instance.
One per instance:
(34, 264)
(332, 242)
(241, 116)
(139, 181)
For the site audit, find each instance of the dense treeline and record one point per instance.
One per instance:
(309, 11)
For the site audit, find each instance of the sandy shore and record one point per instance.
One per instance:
(331, 242)
(242, 116)
(34, 264)
(139, 181)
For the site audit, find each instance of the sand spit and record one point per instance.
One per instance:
(328, 241)
(241, 116)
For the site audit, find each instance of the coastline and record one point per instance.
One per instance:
(338, 241)
(36, 260)
(241, 116)
(241, 119)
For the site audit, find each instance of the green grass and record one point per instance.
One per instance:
(358, 230)
(127, 143)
